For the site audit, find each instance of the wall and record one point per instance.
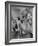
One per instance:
(2, 23)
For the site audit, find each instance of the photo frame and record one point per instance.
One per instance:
(26, 25)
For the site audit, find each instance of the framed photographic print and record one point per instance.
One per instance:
(20, 22)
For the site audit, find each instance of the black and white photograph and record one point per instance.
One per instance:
(20, 22)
